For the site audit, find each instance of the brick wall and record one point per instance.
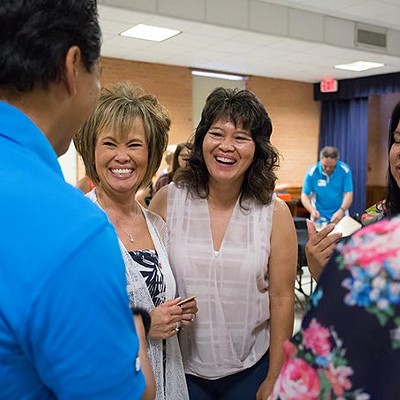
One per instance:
(295, 119)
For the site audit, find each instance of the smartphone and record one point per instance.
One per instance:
(184, 301)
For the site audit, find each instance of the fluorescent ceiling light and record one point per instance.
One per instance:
(359, 66)
(149, 32)
(218, 75)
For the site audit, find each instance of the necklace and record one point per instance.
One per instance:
(130, 236)
(115, 218)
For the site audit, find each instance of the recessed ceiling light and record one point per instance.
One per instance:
(218, 75)
(149, 32)
(359, 66)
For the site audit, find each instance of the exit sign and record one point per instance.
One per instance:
(328, 86)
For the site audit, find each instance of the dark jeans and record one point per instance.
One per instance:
(240, 386)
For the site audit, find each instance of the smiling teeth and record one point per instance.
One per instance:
(121, 171)
(225, 160)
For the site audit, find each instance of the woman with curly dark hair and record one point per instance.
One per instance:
(233, 245)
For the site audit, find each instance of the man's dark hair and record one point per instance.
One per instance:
(35, 36)
(241, 107)
(393, 191)
(329, 152)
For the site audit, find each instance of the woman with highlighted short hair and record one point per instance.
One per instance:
(122, 145)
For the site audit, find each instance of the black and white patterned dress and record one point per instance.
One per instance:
(151, 270)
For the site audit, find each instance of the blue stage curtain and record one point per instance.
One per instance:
(344, 124)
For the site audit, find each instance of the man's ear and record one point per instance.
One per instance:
(72, 67)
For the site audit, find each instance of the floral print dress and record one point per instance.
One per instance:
(349, 343)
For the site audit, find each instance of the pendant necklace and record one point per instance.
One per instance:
(130, 236)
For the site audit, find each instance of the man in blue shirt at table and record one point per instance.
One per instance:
(66, 330)
(327, 191)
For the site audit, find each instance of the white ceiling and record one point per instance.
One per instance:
(216, 37)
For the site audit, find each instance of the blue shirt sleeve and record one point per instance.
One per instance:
(348, 182)
(80, 331)
(307, 184)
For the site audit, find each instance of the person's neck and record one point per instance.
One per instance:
(42, 107)
(223, 197)
(124, 204)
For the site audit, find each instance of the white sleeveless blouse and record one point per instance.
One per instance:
(231, 329)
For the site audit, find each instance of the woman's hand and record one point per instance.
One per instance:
(265, 389)
(166, 320)
(319, 247)
(189, 311)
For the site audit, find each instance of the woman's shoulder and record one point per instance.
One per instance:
(279, 206)
(156, 222)
(153, 217)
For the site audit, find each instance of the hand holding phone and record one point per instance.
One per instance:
(187, 300)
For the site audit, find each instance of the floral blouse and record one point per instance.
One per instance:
(349, 343)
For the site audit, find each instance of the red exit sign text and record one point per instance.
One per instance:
(328, 85)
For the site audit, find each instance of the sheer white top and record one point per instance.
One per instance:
(231, 330)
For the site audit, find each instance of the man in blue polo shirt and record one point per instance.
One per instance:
(328, 187)
(66, 330)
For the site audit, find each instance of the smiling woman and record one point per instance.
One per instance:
(228, 152)
(122, 146)
(232, 243)
(121, 159)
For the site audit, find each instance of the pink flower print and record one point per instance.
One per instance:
(378, 243)
(338, 377)
(297, 380)
(383, 227)
(316, 338)
(289, 349)
(376, 256)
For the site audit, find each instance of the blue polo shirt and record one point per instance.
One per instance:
(66, 330)
(328, 190)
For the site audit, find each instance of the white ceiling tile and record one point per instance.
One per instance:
(232, 13)
(173, 23)
(393, 43)
(117, 14)
(339, 32)
(306, 25)
(217, 32)
(269, 18)
(142, 5)
(191, 9)
(218, 46)
(257, 39)
(365, 9)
